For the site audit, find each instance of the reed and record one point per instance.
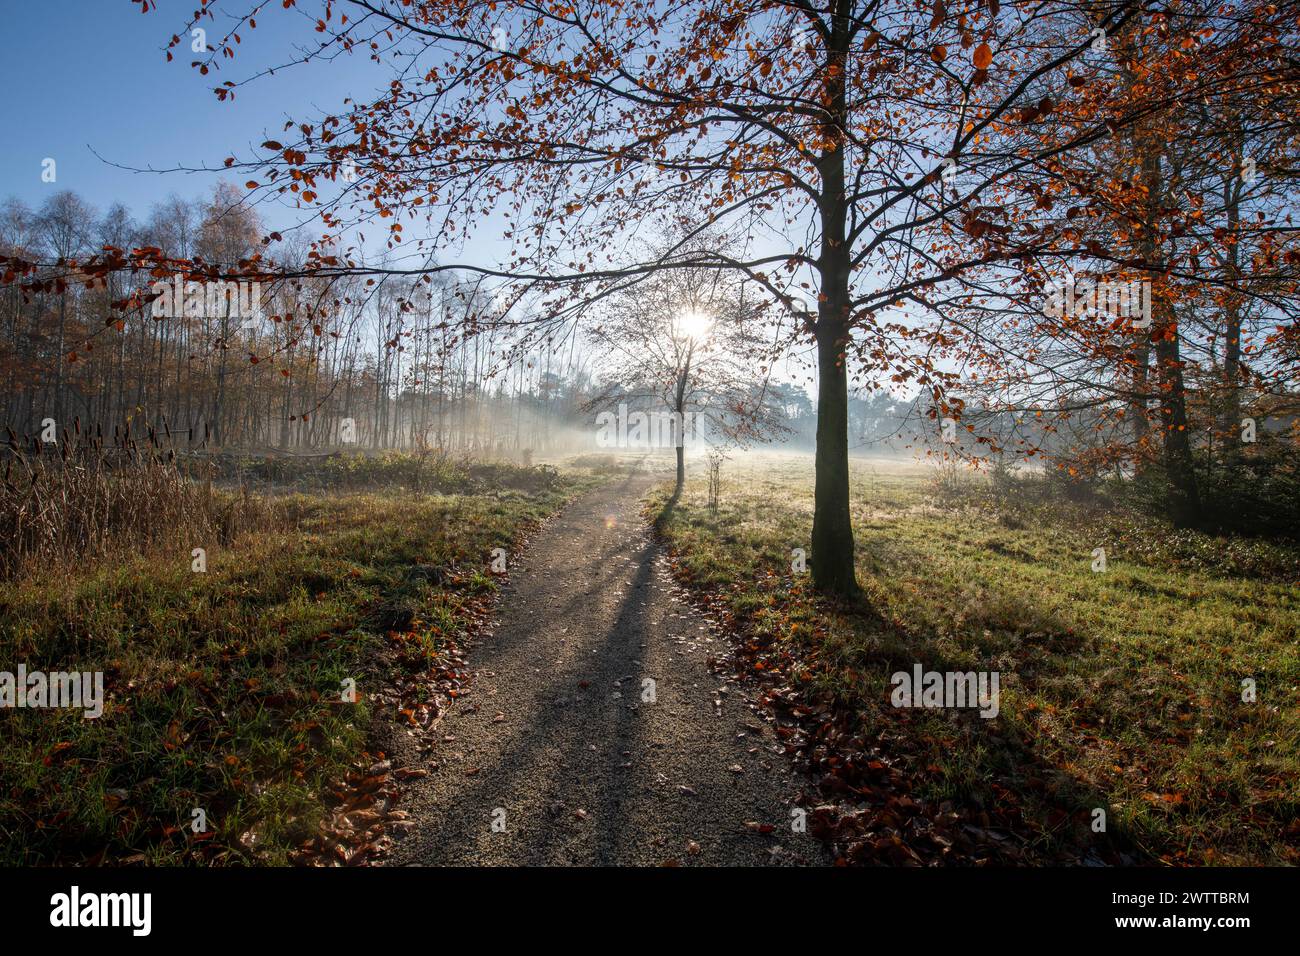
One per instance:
(89, 495)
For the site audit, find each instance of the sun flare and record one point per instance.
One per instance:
(694, 324)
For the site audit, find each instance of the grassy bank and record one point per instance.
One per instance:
(224, 689)
(1120, 689)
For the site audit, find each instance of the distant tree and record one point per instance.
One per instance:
(682, 339)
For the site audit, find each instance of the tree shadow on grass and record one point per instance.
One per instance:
(1002, 770)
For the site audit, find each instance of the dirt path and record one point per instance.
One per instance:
(556, 744)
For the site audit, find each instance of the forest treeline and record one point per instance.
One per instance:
(295, 376)
(287, 378)
(368, 371)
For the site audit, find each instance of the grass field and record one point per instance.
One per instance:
(1120, 689)
(225, 688)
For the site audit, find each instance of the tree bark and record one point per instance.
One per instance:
(679, 406)
(1232, 306)
(832, 536)
(1184, 499)
(1184, 505)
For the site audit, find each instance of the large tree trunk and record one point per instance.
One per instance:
(832, 535)
(1184, 498)
(1184, 502)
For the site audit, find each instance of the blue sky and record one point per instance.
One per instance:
(90, 77)
(86, 74)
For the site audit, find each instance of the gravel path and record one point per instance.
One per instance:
(555, 758)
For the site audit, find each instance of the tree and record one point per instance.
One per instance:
(873, 153)
(680, 339)
(64, 223)
(818, 129)
(1170, 203)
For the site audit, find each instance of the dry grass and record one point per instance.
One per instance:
(83, 499)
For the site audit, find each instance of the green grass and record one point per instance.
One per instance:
(343, 471)
(1120, 689)
(224, 688)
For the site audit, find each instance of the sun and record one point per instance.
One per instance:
(694, 324)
